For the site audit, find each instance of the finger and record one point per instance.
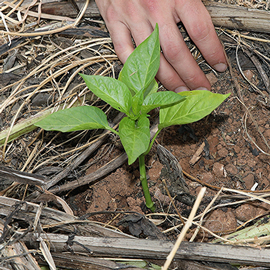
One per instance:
(121, 39)
(180, 58)
(169, 77)
(200, 28)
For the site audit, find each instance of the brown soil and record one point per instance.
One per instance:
(235, 136)
(229, 159)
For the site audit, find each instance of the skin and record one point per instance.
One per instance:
(127, 19)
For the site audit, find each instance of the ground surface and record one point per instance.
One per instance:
(229, 159)
(235, 136)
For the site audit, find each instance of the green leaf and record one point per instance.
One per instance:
(77, 118)
(160, 99)
(151, 88)
(142, 65)
(137, 102)
(111, 91)
(197, 105)
(135, 136)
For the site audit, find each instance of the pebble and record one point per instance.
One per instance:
(267, 133)
(213, 142)
(249, 181)
(223, 152)
(249, 74)
(207, 177)
(245, 212)
(237, 149)
(231, 169)
(41, 99)
(219, 221)
(251, 163)
(263, 208)
(241, 162)
(218, 169)
(161, 197)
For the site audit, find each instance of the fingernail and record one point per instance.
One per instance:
(201, 88)
(181, 89)
(220, 67)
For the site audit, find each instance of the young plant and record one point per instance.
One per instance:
(135, 94)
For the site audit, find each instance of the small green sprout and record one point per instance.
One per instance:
(135, 94)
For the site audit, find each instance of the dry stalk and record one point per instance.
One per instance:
(185, 229)
(204, 213)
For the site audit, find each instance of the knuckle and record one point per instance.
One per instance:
(151, 5)
(171, 51)
(190, 79)
(170, 80)
(200, 31)
(132, 12)
(111, 14)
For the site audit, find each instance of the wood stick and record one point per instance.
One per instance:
(229, 16)
(184, 230)
(157, 249)
(49, 218)
(112, 243)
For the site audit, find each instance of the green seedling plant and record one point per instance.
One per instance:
(135, 93)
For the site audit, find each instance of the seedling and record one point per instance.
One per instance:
(135, 94)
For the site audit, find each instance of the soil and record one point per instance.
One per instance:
(229, 159)
(233, 142)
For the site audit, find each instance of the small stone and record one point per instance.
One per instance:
(231, 169)
(262, 208)
(220, 221)
(249, 74)
(249, 181)
(207, 177)
(223, 152)
(218, 169)
(251, 163)
(237, 149)
(267, 133)
(161, 197)
(213, 142)
(261, 129)
(241, 162)
(41, 99)
(245, 212)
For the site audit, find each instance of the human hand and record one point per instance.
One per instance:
(137, 18)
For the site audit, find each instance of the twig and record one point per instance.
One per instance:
(203, 214)
(185, 229)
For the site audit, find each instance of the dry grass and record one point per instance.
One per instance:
(44, 77)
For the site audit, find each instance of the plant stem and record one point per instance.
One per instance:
(152, 142)
(148, 200)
